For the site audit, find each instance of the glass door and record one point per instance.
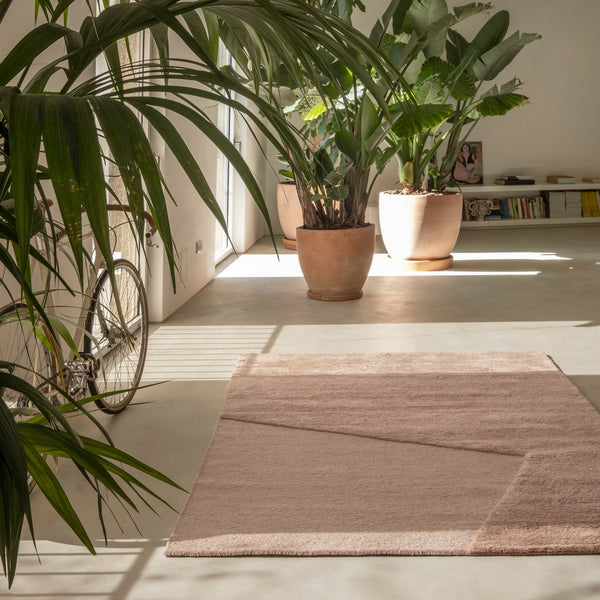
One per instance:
(225, 172)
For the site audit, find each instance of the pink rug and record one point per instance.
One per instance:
(397, 454)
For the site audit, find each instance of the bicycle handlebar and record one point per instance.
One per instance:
(147, 216)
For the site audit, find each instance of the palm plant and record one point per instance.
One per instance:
(443, 67)
(58, 130)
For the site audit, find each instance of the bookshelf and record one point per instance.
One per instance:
(511, 191)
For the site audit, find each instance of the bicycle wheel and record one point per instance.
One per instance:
(118, 344)
(30, 360)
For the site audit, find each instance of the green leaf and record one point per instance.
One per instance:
(370, 121)
(127, 139)
(499, 104)
(429, 92)
(115, 123)
(495, 60)
(50, 486)
(4, 6)
(428, 116)
(213, 29)
(400, 10)
(469, 10)
(163, 15)
(491, 34)
(108, 451)
(183, 155)
(26, 128)
(59, 327)
(456, 46)
(61, 7)
(160, 36)
(384, 158)
(323, 165)
(315, 112)
(75, 167)
(63, 169)
(37, 84)
(348, 144)
(461, 86)
(435, 66)
(202, 37)
(29, 48)
(14, 490)
(506, 88)
(113, 59)
(427, 16)
(73, 43)
(344, 80)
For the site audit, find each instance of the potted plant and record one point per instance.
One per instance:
(335, 242)
(289, 211)
(304, 100)
(420, 221)
(342, 151)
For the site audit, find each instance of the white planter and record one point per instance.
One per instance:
(420, 229)
(290, 213)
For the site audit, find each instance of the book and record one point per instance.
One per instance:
(591, 179)
(572, 204)
(557, 205)
(561, 179)
(589, 204)
(514, 180)
(586, 204)
(594, 199)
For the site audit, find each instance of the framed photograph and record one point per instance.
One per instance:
(468, 168)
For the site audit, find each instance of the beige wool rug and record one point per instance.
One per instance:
(397, 454)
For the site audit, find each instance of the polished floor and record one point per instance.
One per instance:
(510, 289)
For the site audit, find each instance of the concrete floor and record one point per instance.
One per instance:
(510, 289)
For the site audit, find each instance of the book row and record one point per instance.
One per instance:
(548, 205)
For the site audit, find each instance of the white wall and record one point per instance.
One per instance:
(559, 131)
(248, 223)
(192, 222)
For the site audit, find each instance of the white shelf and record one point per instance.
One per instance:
(515, 191)
(508, 191)
(529, 222)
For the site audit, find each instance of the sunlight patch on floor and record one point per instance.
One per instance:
(42, 573)
(287, 265)
(458, 256)
(460, 336)
(192, 353)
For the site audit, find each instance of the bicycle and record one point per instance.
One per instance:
(111, 332)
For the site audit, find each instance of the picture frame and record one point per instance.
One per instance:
(468, 167)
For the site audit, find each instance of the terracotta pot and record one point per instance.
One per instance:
(290, 213)
(420, 229)
(335, 262)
